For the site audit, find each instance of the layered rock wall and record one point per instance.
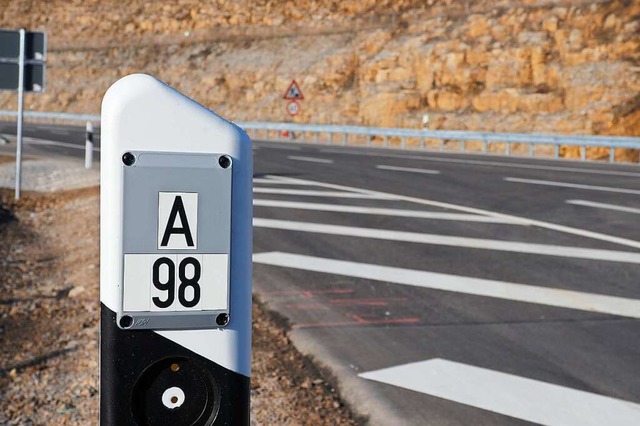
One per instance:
(530, 66)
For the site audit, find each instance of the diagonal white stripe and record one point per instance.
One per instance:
(508, 394)
(310, 159)
(604, 206)
(445, 240)
(476, 286)
(381, 211)
(274, 182)
(473, 210)
(573, 185)
(312, 193)
(407, 169)
(282, 145)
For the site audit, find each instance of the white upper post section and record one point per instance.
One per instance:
(141, 113)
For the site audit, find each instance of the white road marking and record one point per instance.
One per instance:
(47, 127)
(36, 141)
(407, 169)
(573, 185)
(381, 211)
(445, 240)
(604, 206)
(59, 132)
(269, 181)
(310, 159)
(569, 299)
(473, 210)
(485, 163)
(293, 148)
(311, 193)
(520, 397)
(273, 182)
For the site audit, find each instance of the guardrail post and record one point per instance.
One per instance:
(88, 146)
(422, 143)
(404, 143)
(463, 146)
(507, 148)
(612, 155)
(531, 150)
(369, 140)
(441, 145)
(330, 138)
(556, 151)
(583, 152)
(316, 136)
(485, 146)
(344, 138)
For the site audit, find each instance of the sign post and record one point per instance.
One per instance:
(20, 115)
(175, 280)
(22, 68)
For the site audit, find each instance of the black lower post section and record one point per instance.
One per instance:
(142, 372)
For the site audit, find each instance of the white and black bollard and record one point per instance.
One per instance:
(175, 276)
(88, 146)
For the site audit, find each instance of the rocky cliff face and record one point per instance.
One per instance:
(505, 65)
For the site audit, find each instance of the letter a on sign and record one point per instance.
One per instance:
(177, 220)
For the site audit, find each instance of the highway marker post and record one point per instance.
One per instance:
(88, 146)
(175, 278)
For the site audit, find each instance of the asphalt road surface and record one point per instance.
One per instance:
(454, 289)
(49, 139)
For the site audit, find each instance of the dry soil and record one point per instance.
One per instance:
(49, 310)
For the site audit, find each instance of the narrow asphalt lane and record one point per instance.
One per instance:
(406, 310)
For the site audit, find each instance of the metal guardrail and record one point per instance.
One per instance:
(409, 139)
(63, 116)
(401, 138)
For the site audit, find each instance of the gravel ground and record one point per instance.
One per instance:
(49, 310)
(47, 174)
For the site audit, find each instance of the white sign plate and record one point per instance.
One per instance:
(171, 282)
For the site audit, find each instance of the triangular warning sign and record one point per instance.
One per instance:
(294, 93)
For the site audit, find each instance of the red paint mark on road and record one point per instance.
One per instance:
(314, 306)
(367, 302)
(358, 321)
(308, 293)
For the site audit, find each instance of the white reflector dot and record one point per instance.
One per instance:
(173, 398)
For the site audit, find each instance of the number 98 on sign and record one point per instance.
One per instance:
(164, 283)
